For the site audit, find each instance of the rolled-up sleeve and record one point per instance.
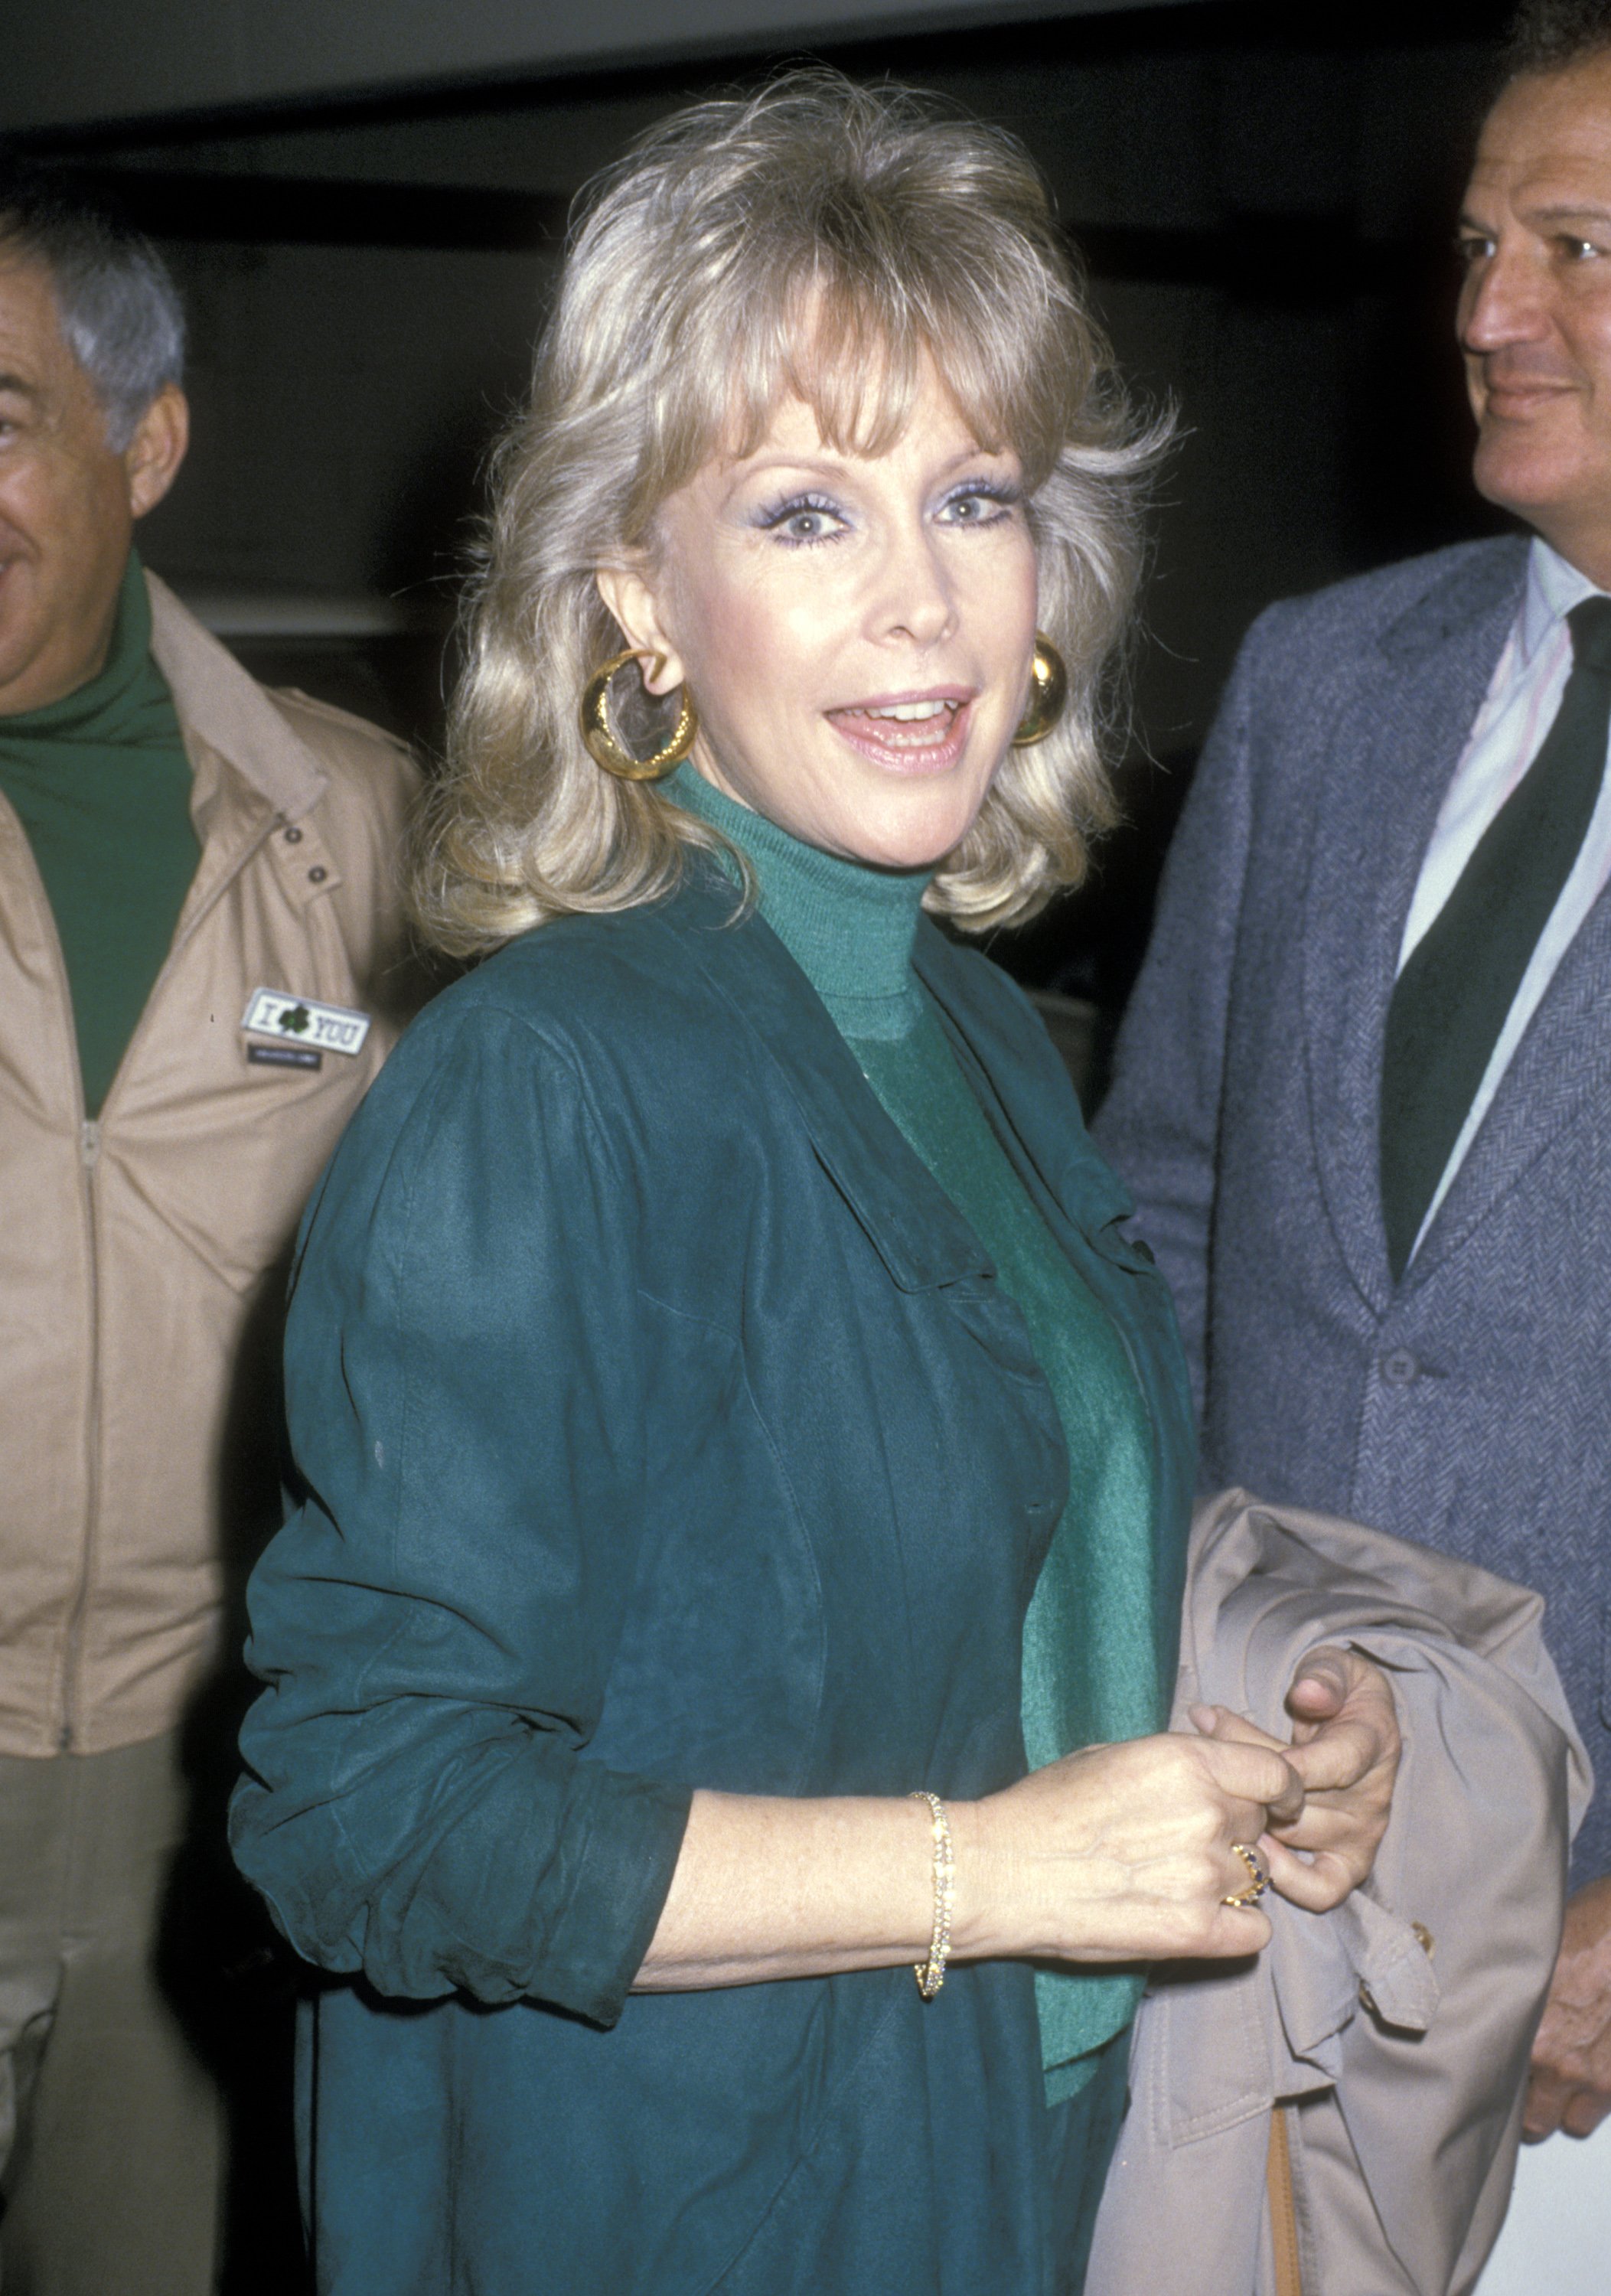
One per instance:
(434, 1624)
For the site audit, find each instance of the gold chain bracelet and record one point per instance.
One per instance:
(930, 1973)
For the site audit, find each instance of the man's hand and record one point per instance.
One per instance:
(1345, 1749)
(1570, 2087)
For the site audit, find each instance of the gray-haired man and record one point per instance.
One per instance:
(198, 926)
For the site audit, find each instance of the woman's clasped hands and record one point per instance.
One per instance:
(1344, 1752)
(1130, 1852)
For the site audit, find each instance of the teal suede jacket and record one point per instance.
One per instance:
(658, 1424)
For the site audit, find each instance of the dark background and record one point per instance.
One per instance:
(1264, 196)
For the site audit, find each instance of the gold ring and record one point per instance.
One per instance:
(1258, 1878)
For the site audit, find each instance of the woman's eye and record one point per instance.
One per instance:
(979, 506)
(803, 521)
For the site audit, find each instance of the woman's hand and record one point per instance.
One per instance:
(1345, 1749)
(1122, 1853)
(1118, 1853)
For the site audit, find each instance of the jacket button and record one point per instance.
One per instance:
(316, 877)
(293, 836)
(1400, 1367)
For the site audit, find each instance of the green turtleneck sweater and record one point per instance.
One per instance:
(101, 785)
(1090, 1670)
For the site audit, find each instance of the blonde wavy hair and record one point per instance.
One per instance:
(907, 236)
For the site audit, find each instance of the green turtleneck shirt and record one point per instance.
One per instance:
(1089, 1668)
(101, 785)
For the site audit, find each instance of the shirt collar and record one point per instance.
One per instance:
(1553, 587)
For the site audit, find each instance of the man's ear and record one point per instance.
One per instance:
(152, 457)
(630, 594)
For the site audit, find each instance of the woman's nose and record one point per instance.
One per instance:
(914, 598)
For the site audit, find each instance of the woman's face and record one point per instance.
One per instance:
(855, 630)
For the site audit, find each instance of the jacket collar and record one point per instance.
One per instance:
(225, 711)
(918, 1232)
(911, 1223)
(1046, 1145)
(1399, 714)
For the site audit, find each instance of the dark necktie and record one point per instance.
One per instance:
(1449, 1001)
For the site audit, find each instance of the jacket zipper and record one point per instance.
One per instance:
(89, 1151)
(91, 1132)
(89, 1156)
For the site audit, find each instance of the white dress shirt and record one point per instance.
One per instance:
(1518, 712)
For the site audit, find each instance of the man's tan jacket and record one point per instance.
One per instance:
(137, 1251)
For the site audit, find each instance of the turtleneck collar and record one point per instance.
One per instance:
(116, 706)
(849, 928)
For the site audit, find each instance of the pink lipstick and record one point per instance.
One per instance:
(908, 732)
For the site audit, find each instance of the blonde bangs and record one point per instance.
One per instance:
(843, 303)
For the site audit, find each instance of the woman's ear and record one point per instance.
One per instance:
(629, 594)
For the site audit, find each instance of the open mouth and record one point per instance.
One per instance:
(919, 727)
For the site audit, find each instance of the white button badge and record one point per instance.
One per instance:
(299, 1021)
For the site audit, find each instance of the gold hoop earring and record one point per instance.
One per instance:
(600, 736)
(1047, 695)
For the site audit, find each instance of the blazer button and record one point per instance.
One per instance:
(293, 835)
(316, 877)
(1400, 1367)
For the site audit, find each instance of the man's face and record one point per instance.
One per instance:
(68, 500)
(1535, 309)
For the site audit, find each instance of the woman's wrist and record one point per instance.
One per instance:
(983, 1890)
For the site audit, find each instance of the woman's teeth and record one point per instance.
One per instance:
(908, 713)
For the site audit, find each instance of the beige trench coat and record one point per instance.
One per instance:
(1401, 2068)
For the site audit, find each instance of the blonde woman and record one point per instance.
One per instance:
(716, 1666)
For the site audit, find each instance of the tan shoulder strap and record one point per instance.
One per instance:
(1283, 2211)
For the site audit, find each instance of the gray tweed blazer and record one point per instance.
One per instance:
(1470, 1407)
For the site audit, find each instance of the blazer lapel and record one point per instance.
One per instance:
(1558, 1069)
(1401, 715)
